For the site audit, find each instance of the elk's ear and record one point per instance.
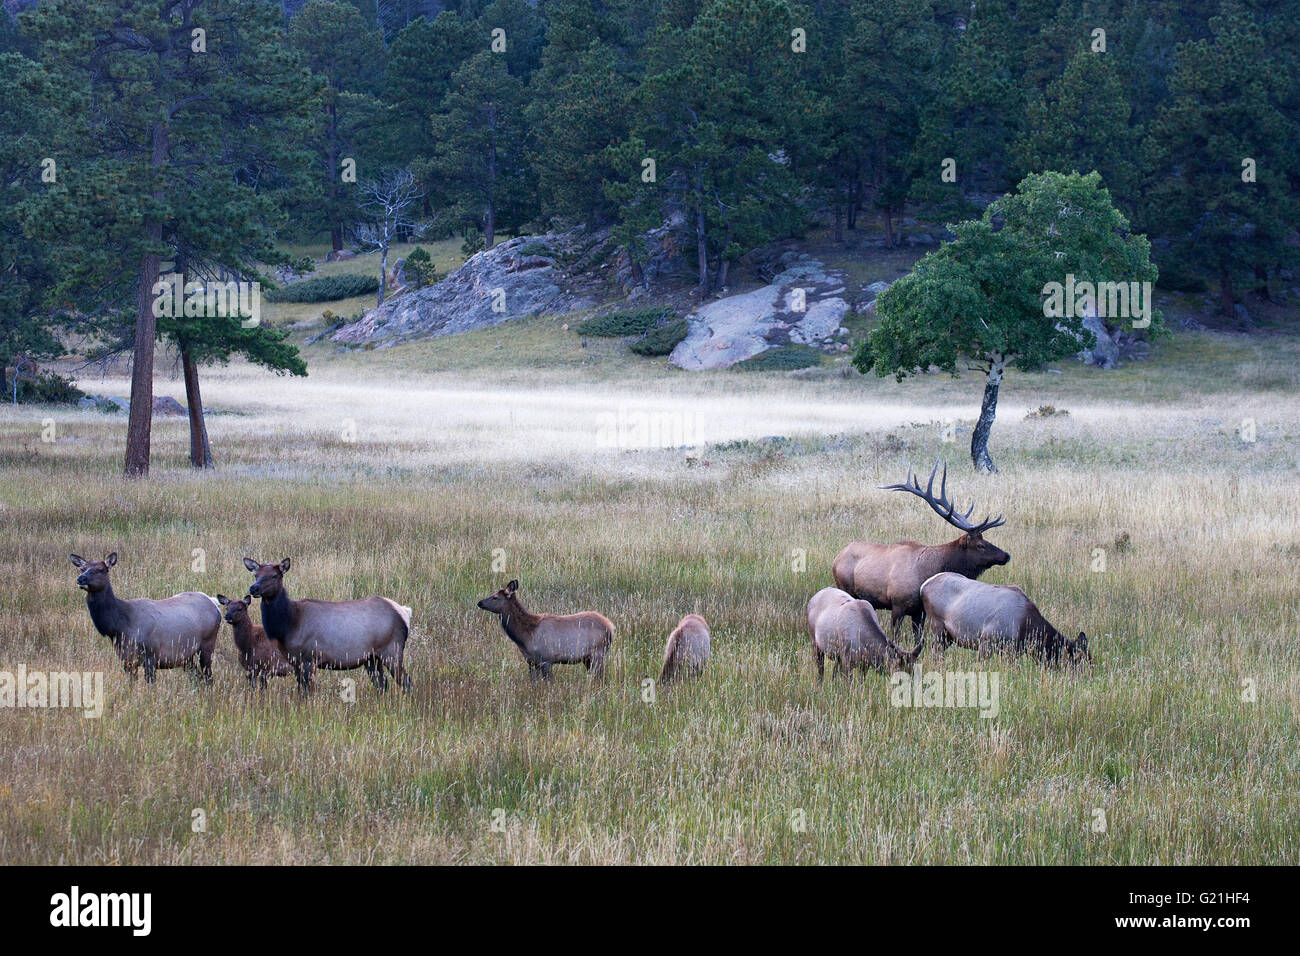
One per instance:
(222, 600)
(111, 559)
(77, 560)
(251, 565)
(284, 566)
(512, 587)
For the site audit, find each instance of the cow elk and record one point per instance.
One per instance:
(261, 657)
(687, 650)
(369, 632)
(546, 639)
(890, 575)
(155, 635)
(847, 630)
(988, 617)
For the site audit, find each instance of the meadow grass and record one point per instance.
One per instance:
(434, 472)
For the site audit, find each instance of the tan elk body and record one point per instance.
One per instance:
(687, 650)
(890, 575)
(367, 632)
(546, 639)
(846, 629)
(153, 634)
(989, 617)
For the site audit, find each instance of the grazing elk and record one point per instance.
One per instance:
(546, 639)
(987, 617)
(368, 632)
(687, 650)
(890, 575)
(261, 657)
(154, 634)
(846, 629)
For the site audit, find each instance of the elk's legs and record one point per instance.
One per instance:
(375, 668)
(820, 660)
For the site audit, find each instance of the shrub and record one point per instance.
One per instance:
(617, 324)
(419, 266)
(663, 340)
(46, 388)
(474, 242)
(534, 248)
(783, 359)
(325, 288)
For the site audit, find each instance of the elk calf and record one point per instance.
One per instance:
(847, 630)
(260, 656)
(157, 635)
(987, 617)
(546, 639)
(687, 650)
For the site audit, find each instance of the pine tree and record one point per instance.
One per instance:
(187, 117)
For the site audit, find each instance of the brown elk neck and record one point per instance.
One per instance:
(243, 633)
(107, 612)
(517, 622)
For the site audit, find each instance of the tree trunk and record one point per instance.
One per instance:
(889, 228)
(1227, 299)
(200, 451)
(724, 264)
(490, 226)
(1261, 284)
(701, 252)
(839, 221)
(979, 439)
(140, 420)
(383, 274)
(4, 383)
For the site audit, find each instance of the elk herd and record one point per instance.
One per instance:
(936, 587)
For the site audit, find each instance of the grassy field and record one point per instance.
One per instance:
(435, 472)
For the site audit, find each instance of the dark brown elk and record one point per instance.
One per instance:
(546, 639)
(261, 657)
(368, 632)
(990, 617)
(890, 575)
(687, 650)
(155, 635)
(847, 630)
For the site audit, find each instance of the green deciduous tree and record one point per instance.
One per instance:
(980, 298)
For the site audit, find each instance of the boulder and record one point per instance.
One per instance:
(492, 287)
(799, 306)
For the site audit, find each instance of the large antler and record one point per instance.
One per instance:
(944, 508)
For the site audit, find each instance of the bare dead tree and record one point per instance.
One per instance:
(389, 203)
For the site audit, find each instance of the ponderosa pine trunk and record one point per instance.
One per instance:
(979, 439)
(701, 252)
(200, 451)
(140, 420)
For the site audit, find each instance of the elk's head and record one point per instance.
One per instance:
(236, 608)
(502, 599)
(268, 579)
(94, 574)
(981, 554)
(1076, 650)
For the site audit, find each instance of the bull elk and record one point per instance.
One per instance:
(988, 617)
(368, 632)
(546, 639)
(687, 650)
(261, 657)
(847, 630)
(890, 575)
(156, 635)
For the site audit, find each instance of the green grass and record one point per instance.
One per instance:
(467, 456)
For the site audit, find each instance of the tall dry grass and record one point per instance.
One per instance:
(436, 487)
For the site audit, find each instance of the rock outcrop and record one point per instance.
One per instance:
(517, 278)
(802, 305)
